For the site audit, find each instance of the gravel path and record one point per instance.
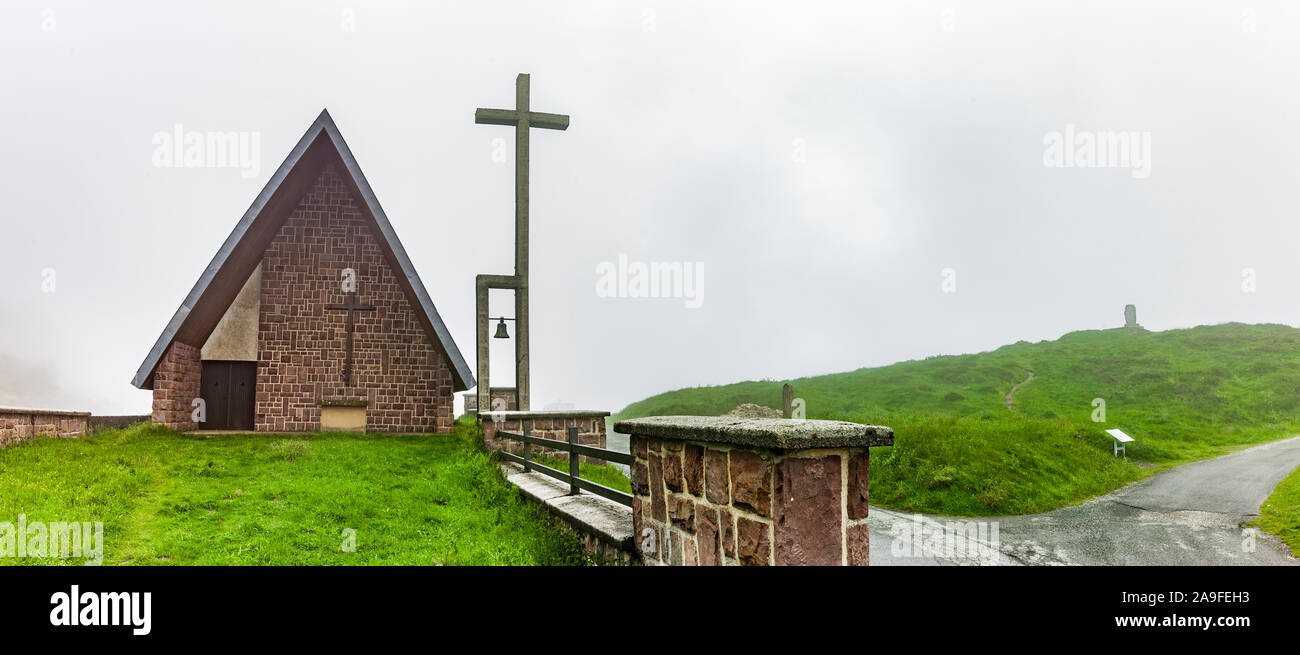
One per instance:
(1011, 395)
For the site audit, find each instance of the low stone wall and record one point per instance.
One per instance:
(21, 424)
(547, 425)
(722, 491)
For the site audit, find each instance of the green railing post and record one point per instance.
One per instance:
(573, 462)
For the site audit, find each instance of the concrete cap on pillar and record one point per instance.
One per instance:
(771, 433)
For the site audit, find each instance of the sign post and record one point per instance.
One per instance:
(1120, 440)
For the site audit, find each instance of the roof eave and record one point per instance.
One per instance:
(144, 374)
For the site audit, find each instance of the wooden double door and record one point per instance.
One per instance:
(228, 391)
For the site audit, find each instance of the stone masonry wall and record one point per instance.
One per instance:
(176, 383)
(405, 378)
(21, 424)
(591, 431)
(714, 504)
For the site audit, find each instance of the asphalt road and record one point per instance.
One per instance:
(1190, 515)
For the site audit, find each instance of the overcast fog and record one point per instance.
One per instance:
(823, 162)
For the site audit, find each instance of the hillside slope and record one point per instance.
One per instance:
(959, 450)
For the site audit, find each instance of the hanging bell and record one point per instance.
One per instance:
(501, 331)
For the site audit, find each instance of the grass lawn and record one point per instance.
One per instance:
(170, 498)
(1280, 514)
(959, 450)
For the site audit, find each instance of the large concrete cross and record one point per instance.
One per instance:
(522, 118)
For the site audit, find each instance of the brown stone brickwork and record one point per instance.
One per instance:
(807, 497)
(22, 424)
(722, 504)
(547, 425)
(405, 377)
(176, 383)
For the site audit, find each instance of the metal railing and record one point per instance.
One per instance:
(575, 450)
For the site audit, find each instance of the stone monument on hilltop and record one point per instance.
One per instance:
(1131, 317)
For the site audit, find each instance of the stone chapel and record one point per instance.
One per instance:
(310, 316)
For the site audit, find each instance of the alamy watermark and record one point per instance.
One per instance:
(649, 21)
(1083, 149)
(88, 608)
(948, 20)
(181, 148)
(499, 407)
(637, 279)
(36, 539)
(977, 541)
(948, 280)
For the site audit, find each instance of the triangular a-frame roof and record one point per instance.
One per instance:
(221, 281)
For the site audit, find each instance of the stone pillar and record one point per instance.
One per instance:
(717, 491)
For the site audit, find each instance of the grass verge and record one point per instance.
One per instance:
(1280, 514)
(171, 498)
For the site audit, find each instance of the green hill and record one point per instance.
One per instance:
(1183, 394)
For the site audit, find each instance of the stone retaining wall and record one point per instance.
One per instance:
(21, 424)
(718, 491)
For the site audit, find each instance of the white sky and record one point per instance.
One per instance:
(921, 127)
